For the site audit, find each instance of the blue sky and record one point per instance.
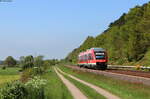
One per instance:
(53, 28)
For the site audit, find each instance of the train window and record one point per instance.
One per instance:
(90, 56)
(100, 55)
(85, 57)
(80, 58)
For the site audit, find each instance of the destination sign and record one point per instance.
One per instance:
(99, 53)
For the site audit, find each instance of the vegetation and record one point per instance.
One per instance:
(34, 66)
(55, 89)
(121, 88)
(30, 85)
(8, 78)
(89, 92)
(33, 89)
(27, 62)
(10, 61)
(10, 71)
(126, 40)
(8, 75)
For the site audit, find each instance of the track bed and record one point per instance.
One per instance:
(120, 71)
(130, 72)
(126, 75)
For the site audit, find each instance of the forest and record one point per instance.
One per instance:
(127, 40)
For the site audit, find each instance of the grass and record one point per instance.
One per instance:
(55, 89)
(8, 75)
(121, 88)
(89, 92)
(9, 78)
(9, 71)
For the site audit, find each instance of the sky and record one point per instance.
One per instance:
(53, 28)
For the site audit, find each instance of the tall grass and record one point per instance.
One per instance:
(55, 89)
(121, 88)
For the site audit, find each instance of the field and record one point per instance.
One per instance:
(123, 89)
(8, 75)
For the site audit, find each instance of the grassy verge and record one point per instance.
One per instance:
(8, 75)
(121, 88)
(55, 89)
(89, 92)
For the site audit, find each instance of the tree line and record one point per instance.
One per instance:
(28, 62)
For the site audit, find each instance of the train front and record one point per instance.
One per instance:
(100, 58)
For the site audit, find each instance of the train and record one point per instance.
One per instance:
(93, 58)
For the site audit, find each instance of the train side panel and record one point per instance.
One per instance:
(93, 59)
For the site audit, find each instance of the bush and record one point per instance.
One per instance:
(14, 90)
(36, 87)
(31, 72)
(26, 75)
(33, 89)
(4, 67)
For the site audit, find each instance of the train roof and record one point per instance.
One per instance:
(98, 49)
(95, 49)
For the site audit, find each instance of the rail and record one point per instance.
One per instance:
(126, 67)
(132, 67)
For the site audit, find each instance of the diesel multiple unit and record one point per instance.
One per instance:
(93, 58)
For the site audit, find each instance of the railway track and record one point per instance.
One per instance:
(128, 70)
(127, 75)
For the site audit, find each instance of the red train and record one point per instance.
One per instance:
(93, 58)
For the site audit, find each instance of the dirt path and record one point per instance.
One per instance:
(76, 93)
(101, 91)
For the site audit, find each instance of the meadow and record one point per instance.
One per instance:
(8, 75)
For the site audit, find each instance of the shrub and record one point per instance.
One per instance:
(14, 90)
(36, 83)
(33, 89)
(26, 75)
(4, 67)
(30, 73)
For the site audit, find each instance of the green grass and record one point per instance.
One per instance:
(55, 89)
(8, 75)
(8, 78)
(89, 92)
(121, 88)
(9, 71)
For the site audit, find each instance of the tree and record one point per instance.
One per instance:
(38, 61)
(27, 62)
(10, 61)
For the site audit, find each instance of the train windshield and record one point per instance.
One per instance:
(100, 55)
